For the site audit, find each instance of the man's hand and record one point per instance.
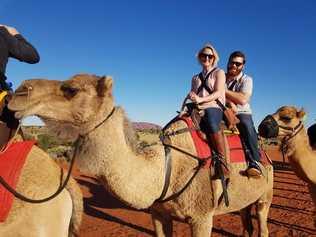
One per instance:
(233, 106)
(11, 30)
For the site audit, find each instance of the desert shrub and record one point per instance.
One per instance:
(28, 136)
(46, 141)
(151, 130)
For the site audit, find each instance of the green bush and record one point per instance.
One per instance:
(46, 141)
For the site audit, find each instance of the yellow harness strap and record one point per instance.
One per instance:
(2, 95)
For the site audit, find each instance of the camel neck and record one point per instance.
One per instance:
(303, 157)
(125, 174)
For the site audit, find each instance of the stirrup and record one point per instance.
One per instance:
(254, 170)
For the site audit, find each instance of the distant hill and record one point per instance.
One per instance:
(137, 125)
(145, 126)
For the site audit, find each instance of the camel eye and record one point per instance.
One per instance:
(69, 92)
(286, 119)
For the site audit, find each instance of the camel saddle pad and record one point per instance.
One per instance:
(11, 164)
(237, 154)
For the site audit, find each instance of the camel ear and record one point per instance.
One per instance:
(301, 113)
(104, 86)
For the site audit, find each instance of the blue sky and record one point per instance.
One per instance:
(149, 48)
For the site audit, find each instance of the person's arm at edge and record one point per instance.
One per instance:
(18, 46)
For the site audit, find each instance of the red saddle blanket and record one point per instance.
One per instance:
(203, 150)
(11, 164)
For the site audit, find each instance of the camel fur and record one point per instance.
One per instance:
(40, 178)
(298, 150)
(83, 107)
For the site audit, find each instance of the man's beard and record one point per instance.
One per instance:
(233, 73)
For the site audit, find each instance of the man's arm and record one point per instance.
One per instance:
(18, 47)
(237, 97)
(242, 97)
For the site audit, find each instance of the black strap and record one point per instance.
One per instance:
(204, 85)
(231, 87)
(204, 80)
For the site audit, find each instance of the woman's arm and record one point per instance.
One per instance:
(218, 90)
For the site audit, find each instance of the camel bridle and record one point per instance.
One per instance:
(286, 138)
(294, 131)
(64, 184)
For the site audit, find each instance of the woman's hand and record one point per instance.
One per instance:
(195, 98)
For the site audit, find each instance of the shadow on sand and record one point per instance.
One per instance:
(100, 198)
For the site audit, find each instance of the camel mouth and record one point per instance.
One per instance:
(23, 110)
(268, 128)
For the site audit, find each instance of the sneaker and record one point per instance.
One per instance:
(253, 170)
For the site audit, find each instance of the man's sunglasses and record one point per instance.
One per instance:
(238, 64)
(204, 55)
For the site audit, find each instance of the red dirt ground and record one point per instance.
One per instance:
(291, 213)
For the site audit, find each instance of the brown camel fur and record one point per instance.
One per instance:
(295, 143)
(40, 178)
(84, 106)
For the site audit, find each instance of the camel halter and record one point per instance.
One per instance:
(98, 125)
(294, 131)
(61, 187)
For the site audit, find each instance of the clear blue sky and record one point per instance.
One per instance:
(149, 48)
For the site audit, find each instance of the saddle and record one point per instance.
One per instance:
(12, 160)
(192, 111)
(235, 149)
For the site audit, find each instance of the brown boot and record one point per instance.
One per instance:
(218, 144)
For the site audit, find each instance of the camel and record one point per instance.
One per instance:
(83, 108)
(40, 178)
(286, 124)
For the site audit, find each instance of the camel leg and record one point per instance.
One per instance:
(246, 221)
(202, 227)
(263, 206)
(162, 224)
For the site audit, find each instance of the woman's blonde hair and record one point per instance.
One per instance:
(209, 46)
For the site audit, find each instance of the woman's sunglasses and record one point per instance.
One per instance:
(204, 56)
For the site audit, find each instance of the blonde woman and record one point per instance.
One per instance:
(207, 88)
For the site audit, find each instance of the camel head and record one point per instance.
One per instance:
(68, 108)
(285, 122)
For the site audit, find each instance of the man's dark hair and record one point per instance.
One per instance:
(237, 54)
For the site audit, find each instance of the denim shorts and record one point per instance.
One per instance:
(212, 119)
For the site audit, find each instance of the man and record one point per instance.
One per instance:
(14, 45)
(238, 93)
